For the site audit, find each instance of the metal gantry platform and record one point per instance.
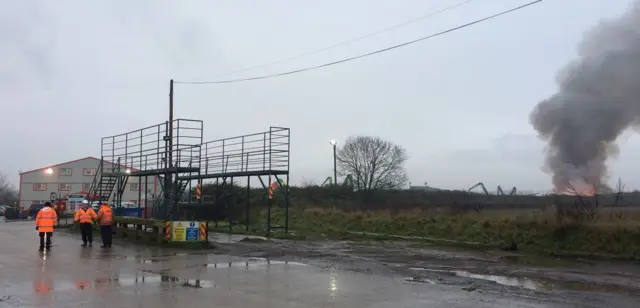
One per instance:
(263, 155)
(150, 152)
(182, 158)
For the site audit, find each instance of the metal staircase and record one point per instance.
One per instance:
(121, 179)
(180, 189)
(102, 185)
(181, 184)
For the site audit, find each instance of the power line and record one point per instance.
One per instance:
(366, 54)
(349, 41)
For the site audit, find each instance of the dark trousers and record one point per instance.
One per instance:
(87, 232)
(42, 239)
(106, 232)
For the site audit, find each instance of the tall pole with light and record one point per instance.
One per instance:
(335, 168)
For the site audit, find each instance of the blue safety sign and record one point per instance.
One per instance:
(192, 234)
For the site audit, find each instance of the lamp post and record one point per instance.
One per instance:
(335, 169)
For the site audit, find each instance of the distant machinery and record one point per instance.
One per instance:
(348, 182)
(498, 192)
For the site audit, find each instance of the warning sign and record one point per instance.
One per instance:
(179, 231)
(186, 231)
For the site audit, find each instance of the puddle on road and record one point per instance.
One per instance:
(111, 282)
(508, 281)
(419, 279)
(152, 259)
(158, 279)
(250, 263)
(501, 280)
(224, 238)
(520, 282)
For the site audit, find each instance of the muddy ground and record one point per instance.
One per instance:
(280, 273)
(552, 281)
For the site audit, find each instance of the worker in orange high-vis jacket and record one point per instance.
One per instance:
(85, 217)
(105, 218)
(45, 220)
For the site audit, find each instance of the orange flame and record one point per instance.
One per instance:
(579, 188)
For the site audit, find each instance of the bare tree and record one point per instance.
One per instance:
(373, 163)
(8, 194)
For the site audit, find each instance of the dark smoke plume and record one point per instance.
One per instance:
(598, 98)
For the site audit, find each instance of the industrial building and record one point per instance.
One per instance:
(75, 177)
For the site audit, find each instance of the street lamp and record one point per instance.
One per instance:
(127, 171)
(335, 169)
(48, 171)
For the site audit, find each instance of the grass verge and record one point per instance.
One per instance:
(535, 231)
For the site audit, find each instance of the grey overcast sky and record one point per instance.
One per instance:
(74, 71)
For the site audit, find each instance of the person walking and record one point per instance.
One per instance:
(105, 217)
(45, 220)
(86, 216)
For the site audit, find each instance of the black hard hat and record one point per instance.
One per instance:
(48, 203)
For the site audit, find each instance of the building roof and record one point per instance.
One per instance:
(60, 164)
(70, 162)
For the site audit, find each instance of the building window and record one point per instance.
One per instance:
(39, 187)
(64, 171)
(89, 171)
(86, 187)
(64, 187)
(134, 186)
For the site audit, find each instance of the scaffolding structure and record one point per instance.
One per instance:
(150, 151)
(181, 159)
(263, 155)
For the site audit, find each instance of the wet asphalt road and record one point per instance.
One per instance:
(141, 276)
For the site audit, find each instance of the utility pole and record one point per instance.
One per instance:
(335, 165)
(170, 123)
(168, 181)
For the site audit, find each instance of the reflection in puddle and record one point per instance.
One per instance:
(224, 238)
(141, 260)
(333, 285)
(420, 279)
(507, 281)
(118, 281)
(151, 278)
(124, 281)
(502, 280)
(253, 262)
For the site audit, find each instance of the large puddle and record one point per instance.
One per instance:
(508, 281)
(224, 238)
(252, 263)
(519, 282)
(106, 283)
(146, 277)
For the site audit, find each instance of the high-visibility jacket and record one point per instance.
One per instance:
(105, 215)
(46, 219)
(85, 216)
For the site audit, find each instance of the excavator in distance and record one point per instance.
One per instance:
(499, 191)
(348, 182)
